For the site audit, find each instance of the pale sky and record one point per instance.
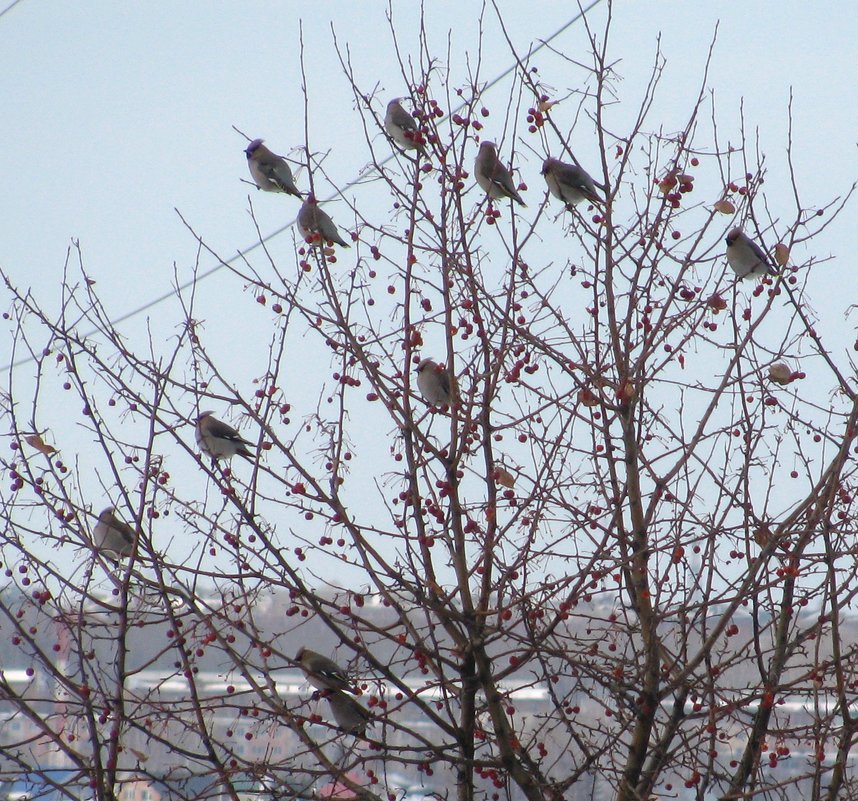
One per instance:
(117, 114)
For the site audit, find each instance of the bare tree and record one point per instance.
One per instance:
(618, 563)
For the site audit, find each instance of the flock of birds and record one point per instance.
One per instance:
(567, 182)
(114, 538)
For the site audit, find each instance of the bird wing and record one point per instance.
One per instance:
(402, 119)
(278, 173)
(330, 670)
(125, 531)
(761, 255)
(500, 177)
(349, 714)
(444, 380)
(221, 430)
(579, 179)
(327, 228)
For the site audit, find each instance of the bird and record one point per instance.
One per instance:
(492, 176)
(112, 536)
(746, 257)
(351, 717)
(219, 440)
(270, 171)
(323, 673)
(569, 183)
(402, 128)
(314, 225)
(434, 384)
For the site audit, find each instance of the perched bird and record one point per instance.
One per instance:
(270, 171)
(492, 176)
(315, 226)
(351, 717)
(113, 536)
(746, 257)
(433, 381)
(323, 673)
(219, 440)
(569, 183)
(402, 128)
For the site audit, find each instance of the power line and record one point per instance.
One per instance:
(242, 253)
(10, 7)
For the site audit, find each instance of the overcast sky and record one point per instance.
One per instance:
(114, 114)
(117, 114)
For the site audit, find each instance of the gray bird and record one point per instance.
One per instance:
(316, 227)
(351, 717)
(492, 176)
(746, 257)
(112, 536)
(569, 183)
(219, 440)
(270, 171)
(402, 128)
(323, 673)
(434, 384)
